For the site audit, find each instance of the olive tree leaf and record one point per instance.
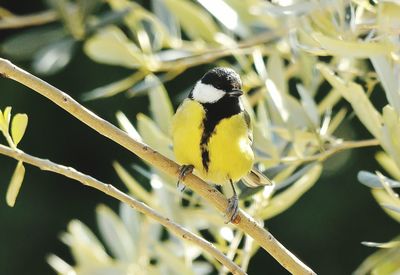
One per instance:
(15, 184)
(18, 127)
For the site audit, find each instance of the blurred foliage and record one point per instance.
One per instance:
(287, 53)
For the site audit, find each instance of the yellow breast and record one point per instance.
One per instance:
(230, 153)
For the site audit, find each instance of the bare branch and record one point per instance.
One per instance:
(114, 192)
(21, 21)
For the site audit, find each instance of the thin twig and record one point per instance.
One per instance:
(247, 224)
(213, 54)
(20, 21)
(114, 192)
(346, 145)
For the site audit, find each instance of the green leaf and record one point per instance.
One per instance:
(153, 136)
(114, 88)
(160, 105)
(85, 247)
(196, 23)
(391, 207)
(356, 96)
(5, 119)
(115, 234)
(133, 186)
(373, 181)
(54, 57)
(15, 184)
(358, 49)
(309, 105)
(391, 133)
(167, 18)
(25, 44)
(287, 198)
(111, 46)
(127, 126)
(389, 77)
(18, 127)
(382, 245)
(388, 164)
(384, 198)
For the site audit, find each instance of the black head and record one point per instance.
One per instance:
(217, 84)
(223, 79)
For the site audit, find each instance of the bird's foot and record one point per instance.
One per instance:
(184, 170)
(232, 210)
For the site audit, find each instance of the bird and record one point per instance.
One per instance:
(212, 135)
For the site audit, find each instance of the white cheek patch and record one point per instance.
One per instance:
(205, 93)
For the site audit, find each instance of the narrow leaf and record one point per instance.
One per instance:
(18, 127)
(371, 180)
(115, 234)
(15, 184)
(160, 105)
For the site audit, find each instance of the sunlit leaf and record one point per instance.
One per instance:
(309, 105)
(389, 78)
(153, 136)
(175, 264)
(25, 44)
(15, 184)
(382, 245)
(59, 265)
(276, 72)
(388, 164)
(54, 57)
(165, 15)
(357, 49)
(5, 119)
(18, 127)
(84, 245)
(354, 93)
(373, 181)
(383, 198)
(127, 126)
(379, 260)
(134, 187)
(114, 88)
(132, 220)
(391, 132)
(115, 234)
(111, 46)
(287, 198)
(195, 22)
(160, 105)
(391, 207)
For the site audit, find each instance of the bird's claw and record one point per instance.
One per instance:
(233, 209)
(184, 170)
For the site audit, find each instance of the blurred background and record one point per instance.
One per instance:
(324, 228)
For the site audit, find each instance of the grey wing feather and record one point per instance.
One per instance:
(249, 127)
(255, 178)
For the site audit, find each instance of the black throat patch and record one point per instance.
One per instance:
(214, 113)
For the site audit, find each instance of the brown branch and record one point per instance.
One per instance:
(21, 21)
(114, 192)
(244, 222)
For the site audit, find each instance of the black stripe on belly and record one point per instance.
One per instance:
(214, 113)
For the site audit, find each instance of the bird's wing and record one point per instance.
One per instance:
(249, 127)
(255, 178)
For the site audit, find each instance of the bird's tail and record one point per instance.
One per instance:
(255, 178)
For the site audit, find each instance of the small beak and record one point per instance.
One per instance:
(235, 93)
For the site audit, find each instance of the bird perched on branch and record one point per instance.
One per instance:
(212, 135)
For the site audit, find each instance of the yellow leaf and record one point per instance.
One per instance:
(18, 127)
(358, 49)
(111, 46)
(15, 184)
(197, 23)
